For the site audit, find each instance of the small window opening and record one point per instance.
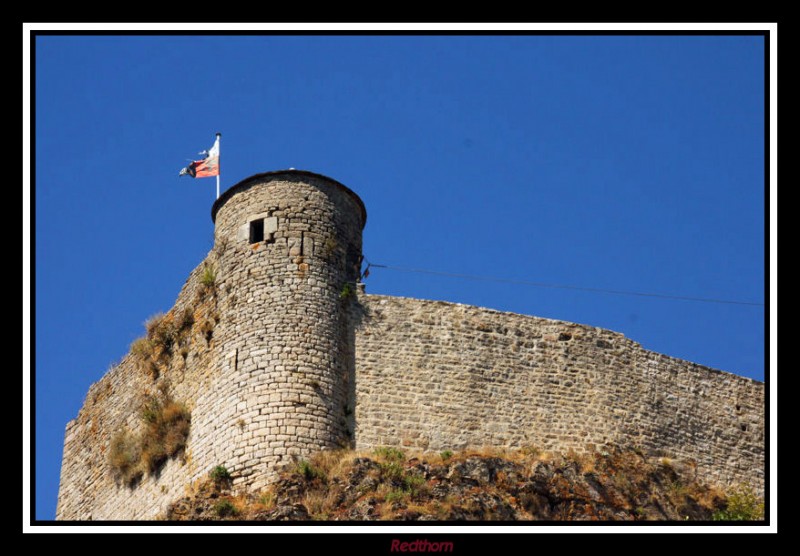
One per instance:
(257, 231)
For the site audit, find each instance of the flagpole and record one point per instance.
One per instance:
(219, 160)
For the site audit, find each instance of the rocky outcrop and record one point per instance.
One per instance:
(610, 485)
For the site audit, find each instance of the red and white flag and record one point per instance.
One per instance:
(206, 168)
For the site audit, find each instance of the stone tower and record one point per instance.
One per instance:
(289, 245)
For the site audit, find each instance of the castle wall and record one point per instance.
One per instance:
(284, 360)
(438, 376)
(430, 376)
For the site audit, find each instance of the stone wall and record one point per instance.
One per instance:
(437, 376)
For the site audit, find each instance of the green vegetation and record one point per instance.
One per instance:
(446, 455)
(413, 483)
(209, 277)
(347, 291)
(225, 508)
(390, 454)
(396, 495)
(220, 475)
(307, 470)
(391, 471)
(743, 505)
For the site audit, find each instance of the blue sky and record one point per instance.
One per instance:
(625, 163)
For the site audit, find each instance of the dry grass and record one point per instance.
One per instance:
(708, 496)
(164, 435)
(166, 335)
(387, 510)
(185, 320)
(207, 328)
(124, 457)
(162, 333)
(587, 463)
(319, 503)
(487, 452)
(141, 348)
(264, 502)
(144, 351)
(333, 463)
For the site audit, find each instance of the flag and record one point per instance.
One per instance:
(206, 168)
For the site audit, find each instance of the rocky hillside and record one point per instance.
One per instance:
(515, 485)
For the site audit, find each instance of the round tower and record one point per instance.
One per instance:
(288, 247)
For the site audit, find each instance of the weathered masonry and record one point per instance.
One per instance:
(286, 356)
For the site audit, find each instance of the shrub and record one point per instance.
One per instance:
(391, 471)
(151, 409)
(307, 470)
(161, 333)
(446, 455)
(743, 505)
(347, 291)
(166, 431)
(174, 427)
(142, 348)
(220, 474)
(225, 508)
(209, 277)
(396, 495)
(388, 453)
(154, 453)
(413, 481)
